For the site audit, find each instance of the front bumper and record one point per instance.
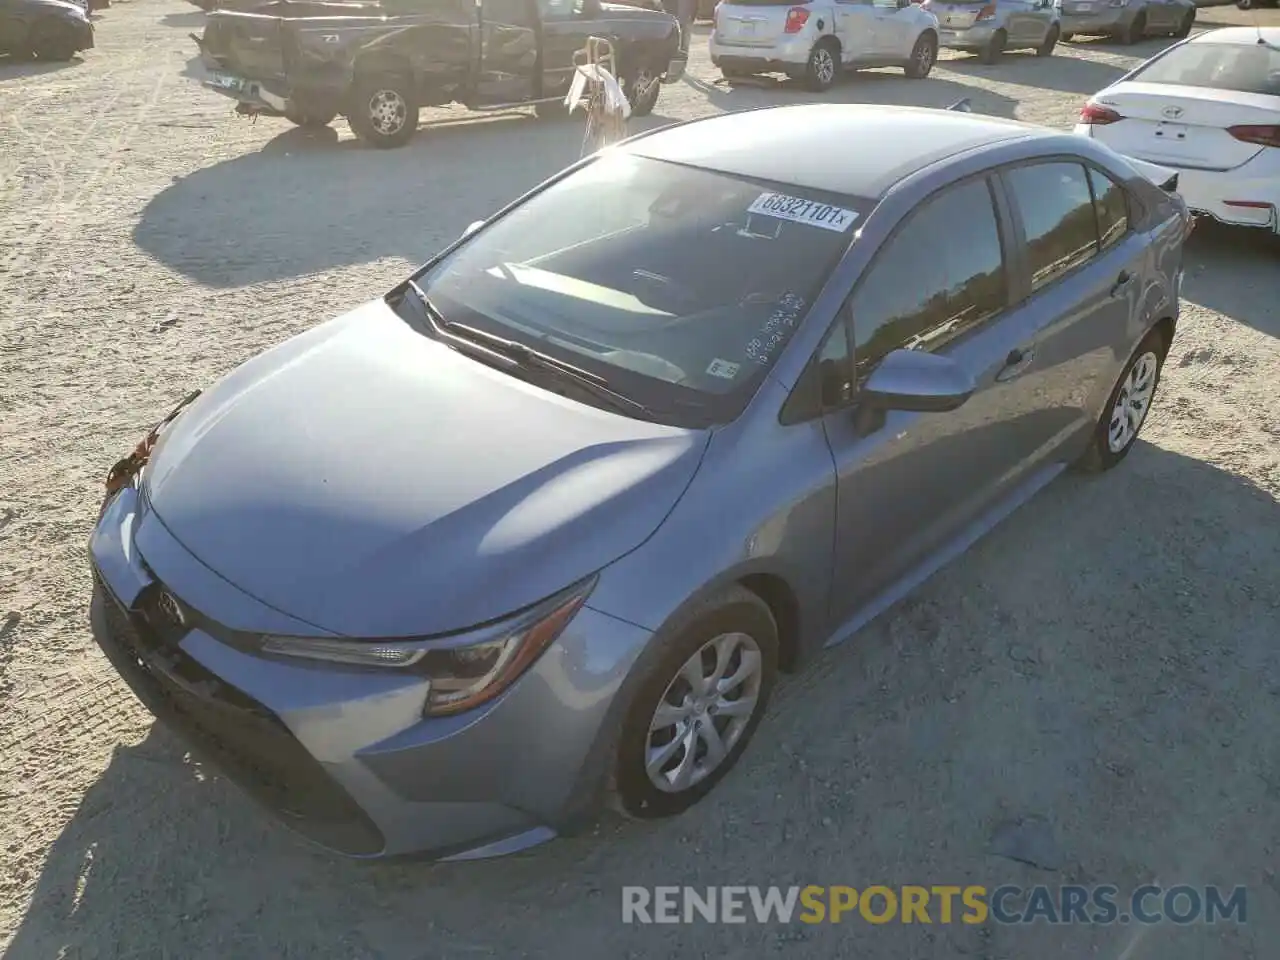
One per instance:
(1101, 23)
(344, 756)
(787, 53)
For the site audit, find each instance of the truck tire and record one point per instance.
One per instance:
(642, 86)
(383, 111)
(309, 119)
(51, 42)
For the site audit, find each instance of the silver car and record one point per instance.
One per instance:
(990, 27)
(543, 524)
(1127, 21)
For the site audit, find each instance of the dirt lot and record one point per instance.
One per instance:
(1106, 660)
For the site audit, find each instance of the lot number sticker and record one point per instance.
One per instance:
(800, 210)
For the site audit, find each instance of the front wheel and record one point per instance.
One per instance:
(384, 110)
(994, 49)
(53, 44)
(1046, 49)
(923, 56)
(820, 71)
(697, 707)
(1127, 407)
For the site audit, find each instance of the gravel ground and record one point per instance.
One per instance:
(1106, 660)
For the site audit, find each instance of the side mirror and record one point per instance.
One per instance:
(472, 228)
(917, 381)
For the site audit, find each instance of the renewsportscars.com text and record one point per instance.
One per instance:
(1101, 904)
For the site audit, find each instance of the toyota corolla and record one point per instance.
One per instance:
(539, 528)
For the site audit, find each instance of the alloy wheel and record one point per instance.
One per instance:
(1134, 401)
(704, 712)
(387, 112)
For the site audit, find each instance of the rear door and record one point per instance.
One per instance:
(509, 60)
(858, 30)
(1186, 126)
(895, 29)
(1082, 266)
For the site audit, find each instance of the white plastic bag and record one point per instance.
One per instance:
(615, 101)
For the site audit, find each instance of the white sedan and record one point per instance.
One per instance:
(813, 40)
(1209, 108)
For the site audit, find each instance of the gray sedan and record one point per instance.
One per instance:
(990, 27)
(1127, 20)
(543, 524)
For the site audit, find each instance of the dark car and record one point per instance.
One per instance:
(47, 29)
(379, 63)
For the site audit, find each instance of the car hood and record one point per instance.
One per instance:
(376, 483)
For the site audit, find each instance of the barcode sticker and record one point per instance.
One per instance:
(800, 210)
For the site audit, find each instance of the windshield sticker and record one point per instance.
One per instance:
(782, 321)
(799, 210)
(723, 369)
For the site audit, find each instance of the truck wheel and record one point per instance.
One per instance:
(309, 120)
(384, 110)
(824, 63)
(642, 87)
(52, 43)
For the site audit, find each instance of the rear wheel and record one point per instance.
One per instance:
(1127, 407)
(384, 110)
(1046, 49)
(994, 49)
(51, 42)
(824, 63)
(923, 56)
(1135, 31)
(642, 87)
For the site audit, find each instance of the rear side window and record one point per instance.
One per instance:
(1112, 204)
(931, 283)
(1056, 205)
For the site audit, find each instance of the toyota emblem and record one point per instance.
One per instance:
(169, 607)
(1172, 113)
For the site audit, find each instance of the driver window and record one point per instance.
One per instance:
(559, 9)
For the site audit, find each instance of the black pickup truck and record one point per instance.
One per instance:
(378, 62)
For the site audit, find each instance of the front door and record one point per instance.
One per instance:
(912, 482)
(566, 25)
(508, 70)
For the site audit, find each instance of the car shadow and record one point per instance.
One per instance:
(1001, 684)
(12, 68)
(1233, 271)
(1067, 74)
(308, 201)
(887, 86)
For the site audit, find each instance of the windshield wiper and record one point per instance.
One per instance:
(519, 355)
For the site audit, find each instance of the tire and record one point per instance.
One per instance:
(384, 110)
(737, 621)
(642, 87)
(309, 120)
(1184, 28)
(1104, 452)
(994, 50)
(53, 44)
(1135, 31)
(1067, 38)
(823, 66)
(1046, 49)
(1245, 4)
(923, 56)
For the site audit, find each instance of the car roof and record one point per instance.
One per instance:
(859, 150)
(1248, 35)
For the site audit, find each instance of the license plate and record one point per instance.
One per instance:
(225, 82)
(1084, 7)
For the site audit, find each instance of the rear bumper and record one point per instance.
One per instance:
(788, 53)
(345, 757)
(973, 38)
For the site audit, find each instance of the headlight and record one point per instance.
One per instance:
(462, 672)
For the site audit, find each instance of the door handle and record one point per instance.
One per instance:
(1019, 360)
(1121, 283)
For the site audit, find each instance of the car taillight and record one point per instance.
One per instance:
(1266, 135)
(988, 12)
(797, 17)
(1098, 115)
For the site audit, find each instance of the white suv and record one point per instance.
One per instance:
(813, 40)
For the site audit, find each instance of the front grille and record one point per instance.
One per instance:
(239, 735)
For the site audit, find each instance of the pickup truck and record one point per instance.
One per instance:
(378, 62)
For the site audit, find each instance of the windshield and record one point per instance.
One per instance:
(1248, 68)
(671, 282)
